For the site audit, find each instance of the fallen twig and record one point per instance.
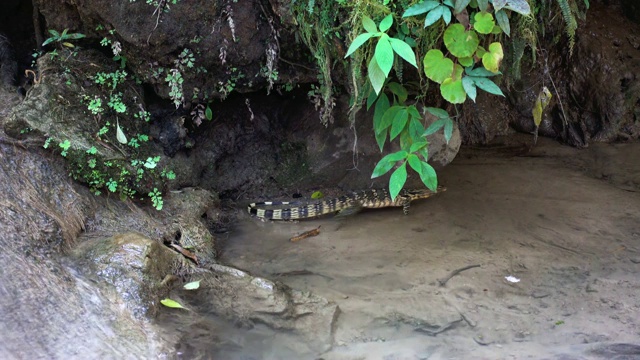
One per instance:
(306, 234)
(444, 280)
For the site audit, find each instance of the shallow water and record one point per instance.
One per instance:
(573, 242)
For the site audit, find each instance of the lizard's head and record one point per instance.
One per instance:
(421, 193)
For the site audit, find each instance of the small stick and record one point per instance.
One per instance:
(306, 234)
(443, 281)
(185, 252)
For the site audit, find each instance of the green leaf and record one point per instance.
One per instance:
(48, 41)
(503, 21)
(414, 161)
(413, 112)
(435, 126)
(417, 146)
(75, 36)
(399, 123)
(449, 3)
(498, 5)
(460, 5)
(519, 6)
(448, 130)
(208, 113)
(381, 137)
(386, 23)
(480, 71)
(192, 285)
(452, 91)
(446, 15)
(434, 15)
(387, 162)
(382, 105)
(384, 54)
(483, 5)
(171, 303)
(487, 85)
(437, 112)
(371, 98)
(404, 50)
(357, 42)
(55, 33)
(466, 61)
(388, 116)
(459, 41)
(317, 195)
(369, 25)
(469, 87)
(451, 88)
(415, 131)
(424, 152)
(429, 177)
(397, 180)
(436, 66)
(483, 23)
(376, 76)
(120, 136)
(421, 8)
(399, 91)
(491, 60)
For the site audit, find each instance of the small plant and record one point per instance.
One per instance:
(65, 145)
(62, 38)
(156, 199)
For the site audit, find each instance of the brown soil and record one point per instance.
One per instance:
(572, 240)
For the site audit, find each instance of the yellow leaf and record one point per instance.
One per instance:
(68, 44)
(541, 103)
(171, 303)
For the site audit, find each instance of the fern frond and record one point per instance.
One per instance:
(570, 23)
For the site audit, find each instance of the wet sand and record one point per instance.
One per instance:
(571, 239)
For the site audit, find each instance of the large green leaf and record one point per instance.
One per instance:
(519, 6)
(421, 8)
(417, 146)
(414, 161)
(404, 50)
(451, 88)
(399, 91)
(434, 15)
(428, 176)
(452, 91)
(460, 42)
(384, 54)
(437, 112)
(388, 116)
(448, 130)
(483, 5)
(376, 76)
(357, 42)
(480, 71)
(435, 126)
(382, 105)
(487, 85)
(415, 131)
(387, 162)
(491, 60)
(386, 23)
(499, 4)
(460, 5)
(381, 137)
(469, 87)
(397, 180)
(399, 123)
(483, 23)
(503, 21)
(369, 25)
(436, 66)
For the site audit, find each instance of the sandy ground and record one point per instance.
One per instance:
(572, 240)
